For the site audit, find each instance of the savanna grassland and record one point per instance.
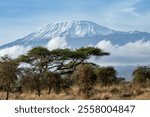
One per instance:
(117, 92)
(64, 74)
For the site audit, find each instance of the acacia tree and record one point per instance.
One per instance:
(68, 60)
(42, 61)
(141, 75)
(38, 58)
(106, 75)
(84, 78)
(8, 74)
(62, 61)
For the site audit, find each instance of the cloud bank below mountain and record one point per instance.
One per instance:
(132, 53)
(18, 50)
(14, 51)
(57, 42)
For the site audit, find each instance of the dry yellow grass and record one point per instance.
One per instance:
(117, 92)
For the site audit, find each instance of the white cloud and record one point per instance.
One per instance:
(132, 53)
(126, 16)
(18, 50)
(14, 51)
(57, 42)
(132, 11)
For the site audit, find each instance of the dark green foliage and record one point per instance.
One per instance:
(91, 51)
(67, 60)
(38, 58)
(106, 75)
(39, 52)
(63, 61)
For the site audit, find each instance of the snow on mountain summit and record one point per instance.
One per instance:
(72, 29)
(77, 33)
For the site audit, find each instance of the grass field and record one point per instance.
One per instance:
(117, 92)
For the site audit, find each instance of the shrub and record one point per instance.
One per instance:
(106, 75)
(85, 78)
(141, 75)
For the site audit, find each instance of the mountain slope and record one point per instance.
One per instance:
(77, 34)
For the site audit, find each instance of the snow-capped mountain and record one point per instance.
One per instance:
(126, 48)
(72, 29)
(77, 34)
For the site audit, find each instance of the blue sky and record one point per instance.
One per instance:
(20, 17)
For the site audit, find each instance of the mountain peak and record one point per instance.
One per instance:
(72, 29)
(77, 33)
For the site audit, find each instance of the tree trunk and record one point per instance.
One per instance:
(39, 91)
(87, 94)
(7, 95)
(49, 89)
